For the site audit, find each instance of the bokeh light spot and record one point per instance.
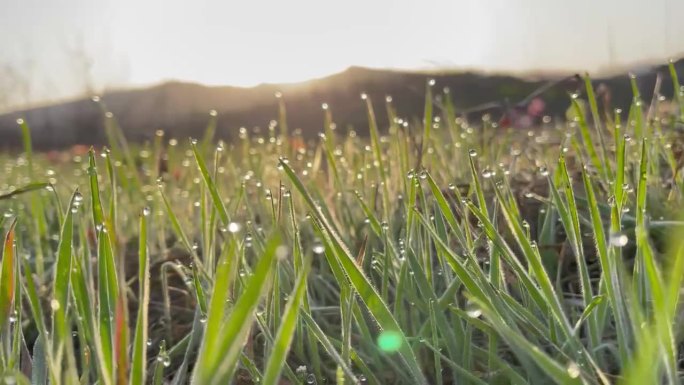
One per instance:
(389, 341)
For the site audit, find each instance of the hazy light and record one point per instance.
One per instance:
(389, 341)
(65, 48)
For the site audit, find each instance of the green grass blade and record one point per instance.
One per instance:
(586, 137)
(328, 346)
(211, 185)
(286, 331)
(610, 272)
(24, 189)
(61, 282)
(139, 359)
(216, 366)
(363, 287)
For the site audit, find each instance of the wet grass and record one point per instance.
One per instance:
(432, 252)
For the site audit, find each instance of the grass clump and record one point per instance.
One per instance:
(431, 253)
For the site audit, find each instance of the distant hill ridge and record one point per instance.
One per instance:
(180, 109)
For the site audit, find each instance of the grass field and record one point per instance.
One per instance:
(430, 252)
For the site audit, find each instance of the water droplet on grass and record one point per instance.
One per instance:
(233, 227)
(618, 239)
(573, 370)
(472, 310)
(282, 252)
(318, 248)
(487, 173)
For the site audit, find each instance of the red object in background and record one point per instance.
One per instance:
(177, 174)
(79, 150)
(297, 143)
(536, 107)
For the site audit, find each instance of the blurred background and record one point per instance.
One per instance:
(183, 58)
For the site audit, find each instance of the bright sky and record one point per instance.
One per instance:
(46, 44)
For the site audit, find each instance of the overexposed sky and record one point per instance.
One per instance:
(51, 49)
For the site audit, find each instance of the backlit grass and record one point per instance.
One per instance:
(435, 251)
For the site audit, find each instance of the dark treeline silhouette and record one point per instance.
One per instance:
(181, 109)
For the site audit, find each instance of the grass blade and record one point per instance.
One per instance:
(287, 330)
(139, 359)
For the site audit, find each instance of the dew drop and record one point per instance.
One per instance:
(318, 248)
(472, 153)
(14, 317)
(282, 252)
(233, 227)
(487, 173)
(573, 370)
(618, 239)
(472, 310)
